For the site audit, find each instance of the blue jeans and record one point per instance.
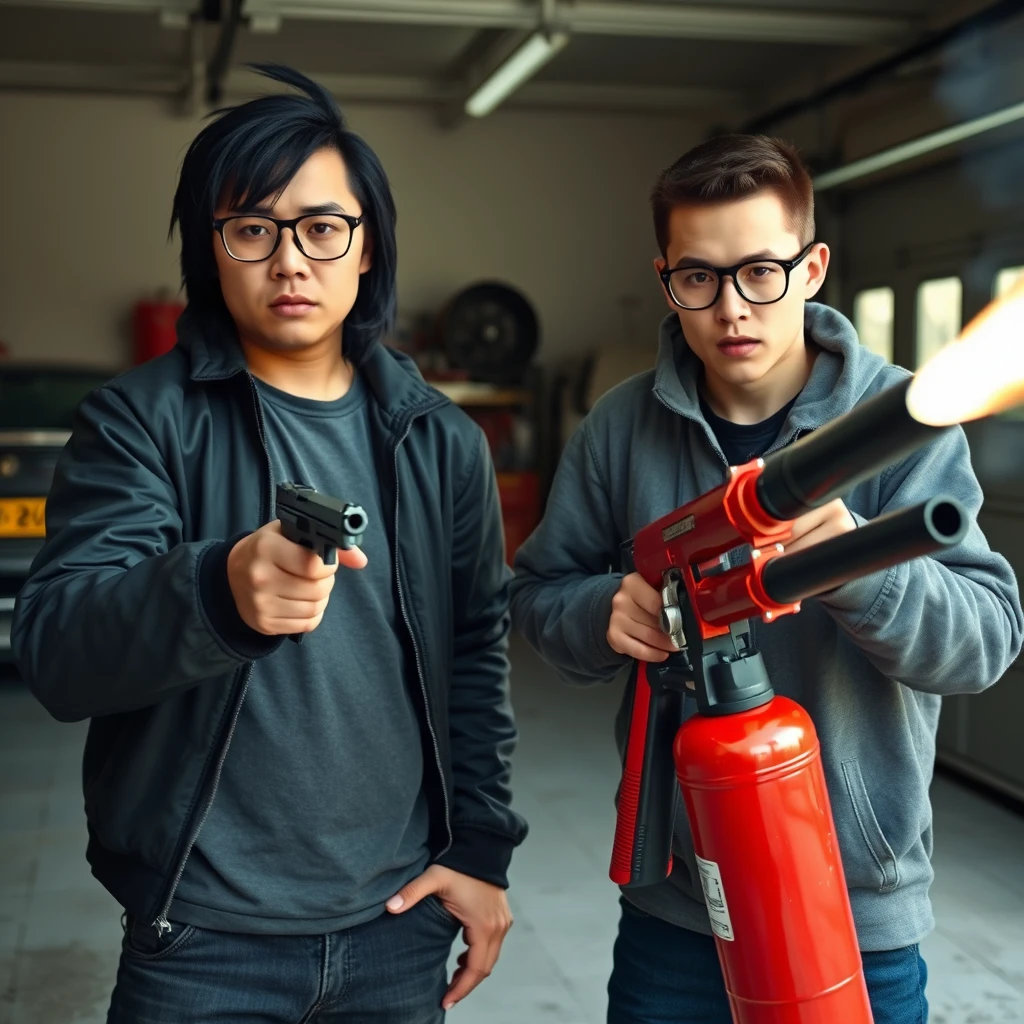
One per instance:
(662, 974)
(391, 970)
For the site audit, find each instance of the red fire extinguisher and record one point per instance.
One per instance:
(154, 327)
(748, 762)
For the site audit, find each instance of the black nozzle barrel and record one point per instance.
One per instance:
(838, 456)
(895, 537)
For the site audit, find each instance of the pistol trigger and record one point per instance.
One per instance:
(330, 556)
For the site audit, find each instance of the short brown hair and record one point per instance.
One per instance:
(730, 167)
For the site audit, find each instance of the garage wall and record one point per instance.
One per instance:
(554, 203)
(964, 216)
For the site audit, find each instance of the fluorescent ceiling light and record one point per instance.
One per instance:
(524, 63)
(918, 147)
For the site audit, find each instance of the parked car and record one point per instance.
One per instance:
(37, 404)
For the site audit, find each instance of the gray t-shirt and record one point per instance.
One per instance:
(320, 815)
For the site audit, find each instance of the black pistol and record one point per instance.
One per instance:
(319, 522)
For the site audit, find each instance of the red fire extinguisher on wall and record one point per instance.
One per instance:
(154, 326)
(748, 763)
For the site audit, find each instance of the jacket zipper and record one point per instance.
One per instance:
(161, 924)
(416, 652)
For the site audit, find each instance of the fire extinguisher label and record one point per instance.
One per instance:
(714, 897)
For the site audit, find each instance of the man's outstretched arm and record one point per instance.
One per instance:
(119, 611)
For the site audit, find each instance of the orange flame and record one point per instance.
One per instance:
(981, 373)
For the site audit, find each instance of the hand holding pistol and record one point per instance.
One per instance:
(281, 576)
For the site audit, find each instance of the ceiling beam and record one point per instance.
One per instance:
(172, 9)
(755, 24)
(533, 95)
(220, 62)
(50, 76)
(604, 17)
(241, 84)
(192, 97)
(638, 98)
(585, 17)
(924, 47)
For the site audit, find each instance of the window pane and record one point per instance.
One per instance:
(873, 311)
(939, 305)
(1006, 279)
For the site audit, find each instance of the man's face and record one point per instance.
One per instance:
(291, 301)
(738, 341)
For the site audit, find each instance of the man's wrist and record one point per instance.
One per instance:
(479, 853)
(600, 616)
(220, 610)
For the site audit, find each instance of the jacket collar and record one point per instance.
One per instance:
(394, 379)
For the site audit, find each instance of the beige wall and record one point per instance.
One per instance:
(555, 204)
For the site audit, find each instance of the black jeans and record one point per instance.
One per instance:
(391, 970)
(662, 974)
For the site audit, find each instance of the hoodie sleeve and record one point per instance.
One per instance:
(564, 584)
(947, 623)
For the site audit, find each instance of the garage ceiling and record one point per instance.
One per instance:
(726, 59)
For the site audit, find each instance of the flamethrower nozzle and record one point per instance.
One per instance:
(899, 536)
(979, 374)
(855, 447)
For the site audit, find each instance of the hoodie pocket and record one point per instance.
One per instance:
(874, 837)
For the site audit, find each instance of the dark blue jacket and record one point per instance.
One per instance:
(128, 619)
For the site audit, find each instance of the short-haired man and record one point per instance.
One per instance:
(747, 365)
(297, 831)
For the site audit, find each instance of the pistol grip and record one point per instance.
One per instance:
(327, 552)
(291, 532)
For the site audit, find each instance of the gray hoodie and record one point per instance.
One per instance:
(870, 661)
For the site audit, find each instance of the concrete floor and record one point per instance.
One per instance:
(60, 931)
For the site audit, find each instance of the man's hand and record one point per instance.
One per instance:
(634, 628)
(281, 587)
(484, 912)
(820, 524)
